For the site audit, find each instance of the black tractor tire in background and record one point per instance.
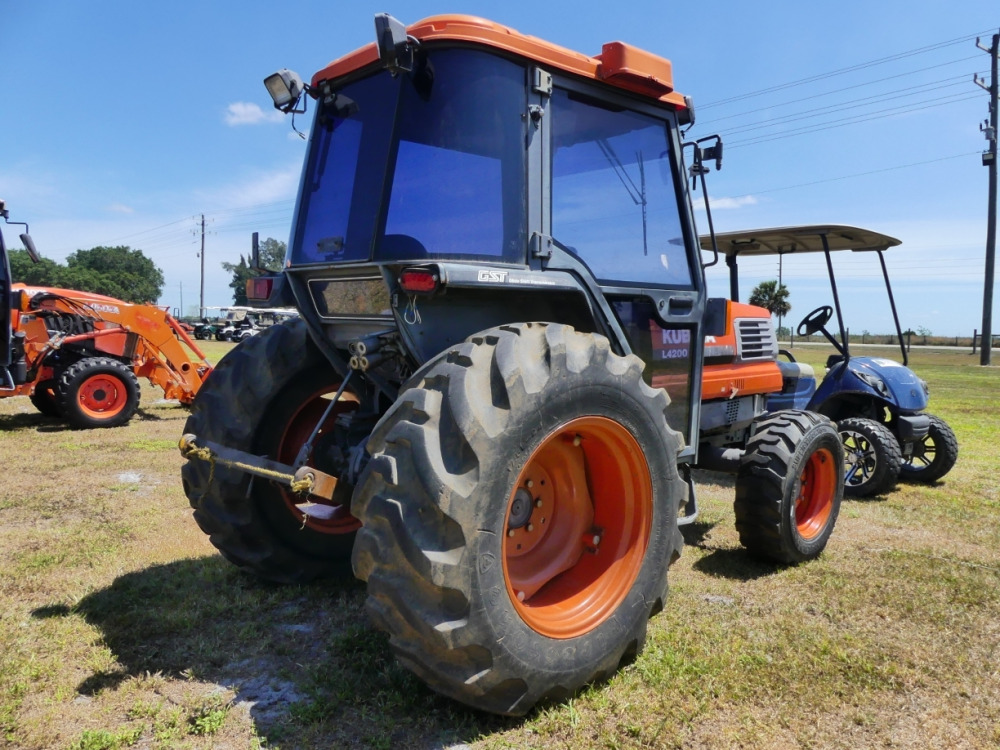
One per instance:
(932, 457)
(264, 397)
(519, 514)
(96, 392)
(43, 398)
(872, 457)
(789, 486)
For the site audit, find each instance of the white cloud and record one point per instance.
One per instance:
(248, 113)
(726, 203)
(121, 208)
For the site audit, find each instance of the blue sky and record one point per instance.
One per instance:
(124, 122)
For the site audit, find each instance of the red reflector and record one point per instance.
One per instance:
(418, 281)
(259, 289)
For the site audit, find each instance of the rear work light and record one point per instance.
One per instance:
(419, 280)
(259, 289)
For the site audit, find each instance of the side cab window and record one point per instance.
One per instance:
(614, 201)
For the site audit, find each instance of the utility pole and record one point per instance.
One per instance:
(201, 300)
(990, 160)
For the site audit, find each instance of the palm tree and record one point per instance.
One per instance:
(772, 296)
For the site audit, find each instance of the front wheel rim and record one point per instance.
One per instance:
(924, 454)
(865, 459)
(102, 396)
(577, 527)
(817, 489)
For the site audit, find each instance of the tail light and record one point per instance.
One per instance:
(420, 280)
(259, 289)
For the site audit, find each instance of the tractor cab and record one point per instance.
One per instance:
(877, 402)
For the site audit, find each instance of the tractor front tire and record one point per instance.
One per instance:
(932, 457)
(97, 392)
(43, 398)
(265, 397)
(789, 486)
(872, 457)
(520, 512)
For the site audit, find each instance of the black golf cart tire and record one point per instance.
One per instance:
(251, 526)
(885, 449)
(437, 494)
(43, 398)
(786, 444)
(70, 382)
(945, 454)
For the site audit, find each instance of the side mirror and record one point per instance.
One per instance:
(29, 245)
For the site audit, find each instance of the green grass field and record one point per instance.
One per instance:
(121, 626)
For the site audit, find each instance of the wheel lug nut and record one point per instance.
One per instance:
(510, 532)
(531, 527)
(529, 484)
(520, 596)
(577, 440)
(538, 503)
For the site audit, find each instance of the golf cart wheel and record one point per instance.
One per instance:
(789, 486)
(265, 397)
(520, 513)
(97, 392)
(872, 457)
(933, 456)
(43, 398)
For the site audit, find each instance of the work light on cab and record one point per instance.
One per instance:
(285, 88)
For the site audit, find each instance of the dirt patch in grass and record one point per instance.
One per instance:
(121, 626)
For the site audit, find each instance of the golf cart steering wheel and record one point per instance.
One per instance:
(815, 321)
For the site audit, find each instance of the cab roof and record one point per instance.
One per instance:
(798, 239)
(619, 64)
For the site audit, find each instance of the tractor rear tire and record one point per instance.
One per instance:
(43, 398)
(872, 457)
(520, 513)
(934, 456)
(97, 392)
(789, 486)
(265, 397)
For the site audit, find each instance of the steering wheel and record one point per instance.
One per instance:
(815, 321)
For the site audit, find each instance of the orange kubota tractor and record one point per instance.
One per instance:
(78, 355)
(489, 403)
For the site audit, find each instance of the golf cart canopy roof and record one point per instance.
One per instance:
(801, 239)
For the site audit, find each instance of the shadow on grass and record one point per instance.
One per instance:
(32, 421)
(735, 564)
(302, 658)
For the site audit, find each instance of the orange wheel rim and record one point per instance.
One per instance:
(325, 517)
(102, 396)
(577, 527)
(817, 488)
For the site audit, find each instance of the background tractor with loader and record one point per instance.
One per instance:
(78, 356)
(490, 403)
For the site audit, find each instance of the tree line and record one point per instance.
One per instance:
(126, 273)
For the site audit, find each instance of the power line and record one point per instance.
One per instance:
(904, 93)
(843, 71)
(879, 115)
(746, 113)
